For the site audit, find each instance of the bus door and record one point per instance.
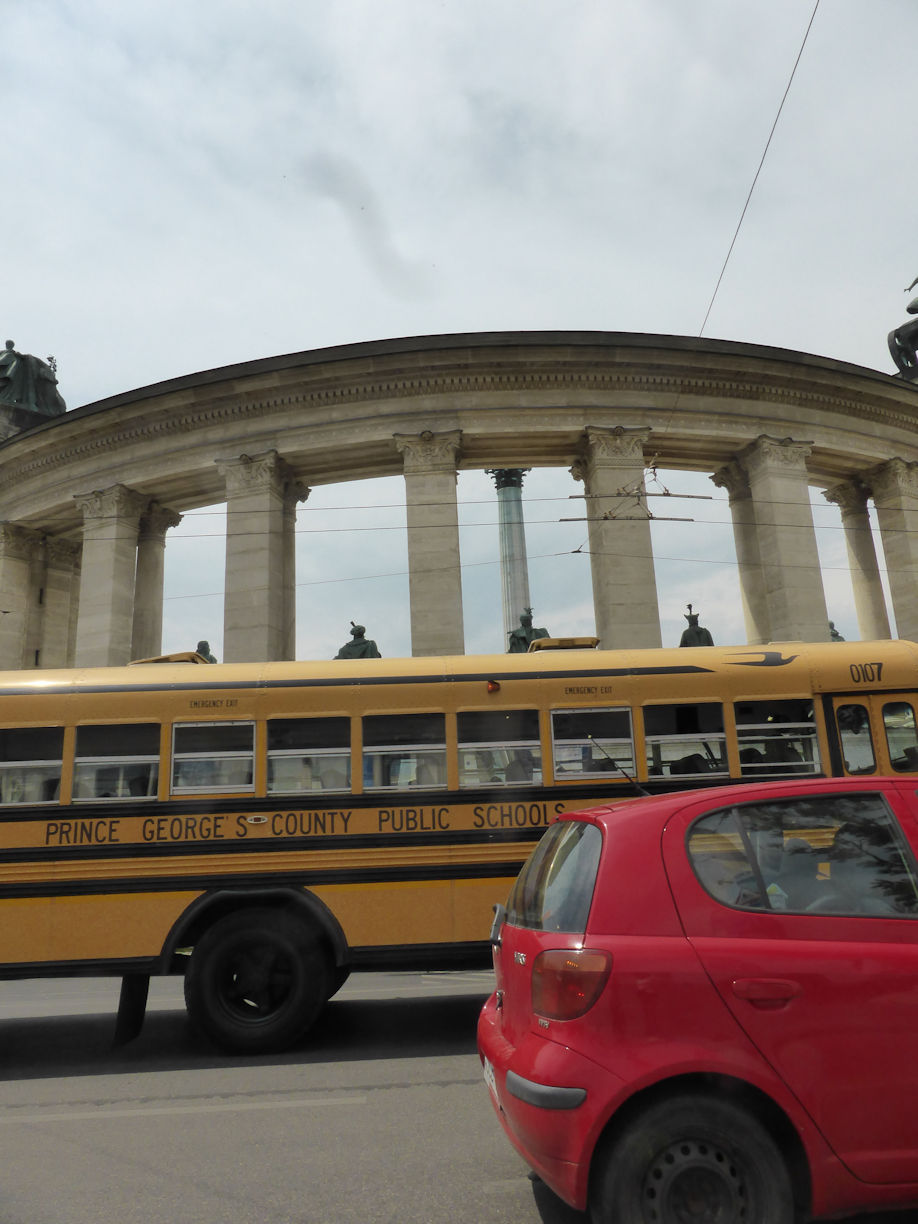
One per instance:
(877, 733)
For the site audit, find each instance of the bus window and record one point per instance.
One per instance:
(309, 754)
(776, 737)
(499, 748)
(856, 743)
(216, 756)
(685, 739)
(402, 750)
(30, 764)
(590, 742)
(899, 722)
(116, 762)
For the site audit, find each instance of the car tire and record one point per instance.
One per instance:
(692, 1158)
(256, 981)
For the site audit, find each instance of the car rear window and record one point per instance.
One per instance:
(554, 890)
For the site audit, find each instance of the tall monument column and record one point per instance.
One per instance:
(434, 573)
(869, 601)
(894, 485)
(256, 617)
(777, 473)
(621, 552)
(748, 560)
(111, 520)
(62, 578)
(147, 634)
(17, 546)
(514, 569)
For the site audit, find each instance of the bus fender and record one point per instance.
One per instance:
(132, 1007)
(206, 909)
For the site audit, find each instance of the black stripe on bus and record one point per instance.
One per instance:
(467, 954)
(252, 880)
(271, 845)
(584, 675)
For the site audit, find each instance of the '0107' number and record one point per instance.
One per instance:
(866, 673)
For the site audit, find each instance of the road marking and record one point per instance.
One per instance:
(148, 1111)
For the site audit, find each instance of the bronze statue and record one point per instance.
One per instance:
(834, 635)
(522, 636)
(359, 647)
(695, 634)
(203, 649)
(28, 382)
(903, 341)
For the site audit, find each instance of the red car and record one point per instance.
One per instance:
(707, 1004)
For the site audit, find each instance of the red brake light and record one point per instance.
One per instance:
(567, 982)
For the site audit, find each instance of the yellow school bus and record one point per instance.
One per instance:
(264, 828)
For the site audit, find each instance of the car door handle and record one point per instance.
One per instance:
(766, 992)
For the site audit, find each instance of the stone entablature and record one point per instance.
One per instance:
(603, 404)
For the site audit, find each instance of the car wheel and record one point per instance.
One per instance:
(256, 981)
(692, 1159)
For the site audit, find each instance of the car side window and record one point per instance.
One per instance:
(831, 854)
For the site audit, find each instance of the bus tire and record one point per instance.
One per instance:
(689, 1157)
(256, 981)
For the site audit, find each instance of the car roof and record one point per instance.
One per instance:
(655, 810)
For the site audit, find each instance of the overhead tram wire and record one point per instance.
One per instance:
(755, 179)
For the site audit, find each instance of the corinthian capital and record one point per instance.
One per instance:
(117, 502)
(256, 473)
(732, 478)
(849, 495)
(893, 480)
(767, 455)
(428, 451)
(18, 542)
(157, 520)
(619, 446)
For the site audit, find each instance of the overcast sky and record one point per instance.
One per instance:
(190, 184)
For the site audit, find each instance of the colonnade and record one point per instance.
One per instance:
(98, 600)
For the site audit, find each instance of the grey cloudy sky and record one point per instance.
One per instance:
(192, 184)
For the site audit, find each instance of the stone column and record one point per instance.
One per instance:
(294, 493)
(147, 634)
(60, 599)
(777, 474)
(434, 573)
(748, 560)
(514, 570)
(869, 601)
(17, 546)
(895, 495)
(111, 520)
(255, 609)
(621, 552)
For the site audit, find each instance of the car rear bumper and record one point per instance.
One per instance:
(550, 1101)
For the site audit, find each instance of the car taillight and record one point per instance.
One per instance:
(567, 982)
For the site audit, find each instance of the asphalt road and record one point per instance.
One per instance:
(381, 1117)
